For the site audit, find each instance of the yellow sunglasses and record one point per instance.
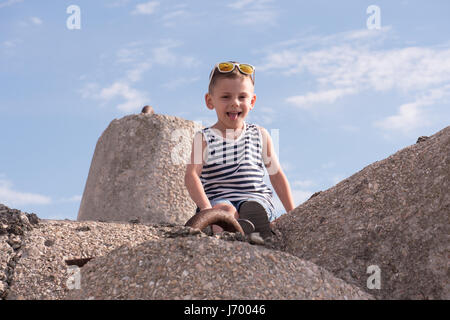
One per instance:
(226, 67)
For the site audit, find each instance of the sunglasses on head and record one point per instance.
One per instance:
(226, 67)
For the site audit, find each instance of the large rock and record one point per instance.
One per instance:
(202, 267)
(393, 214)
(137, 171)
(133, 261)
(41, 270)
(14, 224)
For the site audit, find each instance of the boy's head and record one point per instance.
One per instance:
(238, 70)
(231, 94)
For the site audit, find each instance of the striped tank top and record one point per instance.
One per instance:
(234, 169)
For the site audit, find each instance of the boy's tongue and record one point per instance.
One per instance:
(233, 116)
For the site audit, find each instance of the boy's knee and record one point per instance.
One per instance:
(226, 207)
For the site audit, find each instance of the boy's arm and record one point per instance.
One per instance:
(283, 190)
(193, 172)
(277, 177)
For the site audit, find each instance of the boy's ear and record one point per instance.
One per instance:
(208, 101)
(253, 101)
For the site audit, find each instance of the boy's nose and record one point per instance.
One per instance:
(235, 102)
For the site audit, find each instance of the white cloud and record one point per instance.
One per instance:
(349, 63)
(279, 60)
(138, 60)
(36, 20)
(170, 19)
(240, 4)
(9, 3)
(129, 54)
(254, 12)
(9, 44)
(146, 8)
(411, 115)
(135, 74)
(15, 199)
(286, 54)
(321, 97)
(164, 55)
(134, 99)
(90, 90)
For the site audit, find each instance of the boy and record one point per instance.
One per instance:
(226, 168)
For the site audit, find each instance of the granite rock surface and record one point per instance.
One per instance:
(144, 261)
(203, 267)
(137, 171)
(394, 215)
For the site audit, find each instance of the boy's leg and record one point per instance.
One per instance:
(255, 211)
(227, 206)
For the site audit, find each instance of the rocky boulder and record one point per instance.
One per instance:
(390, 220)
(203, 267)
(62, 259)
(137, 171)
(14, 224)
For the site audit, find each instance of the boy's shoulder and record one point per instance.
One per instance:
(258, 127)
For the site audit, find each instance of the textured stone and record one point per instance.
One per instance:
(207, 268)
(41, 267)
(13, 226)
(137, 171)
(41, 271)
(394, 214)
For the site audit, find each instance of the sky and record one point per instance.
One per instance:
(339, 84)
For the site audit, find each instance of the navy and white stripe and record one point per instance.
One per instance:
(234, 169)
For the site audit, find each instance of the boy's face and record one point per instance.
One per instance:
(232, 99)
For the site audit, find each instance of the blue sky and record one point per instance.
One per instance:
(338, 93)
